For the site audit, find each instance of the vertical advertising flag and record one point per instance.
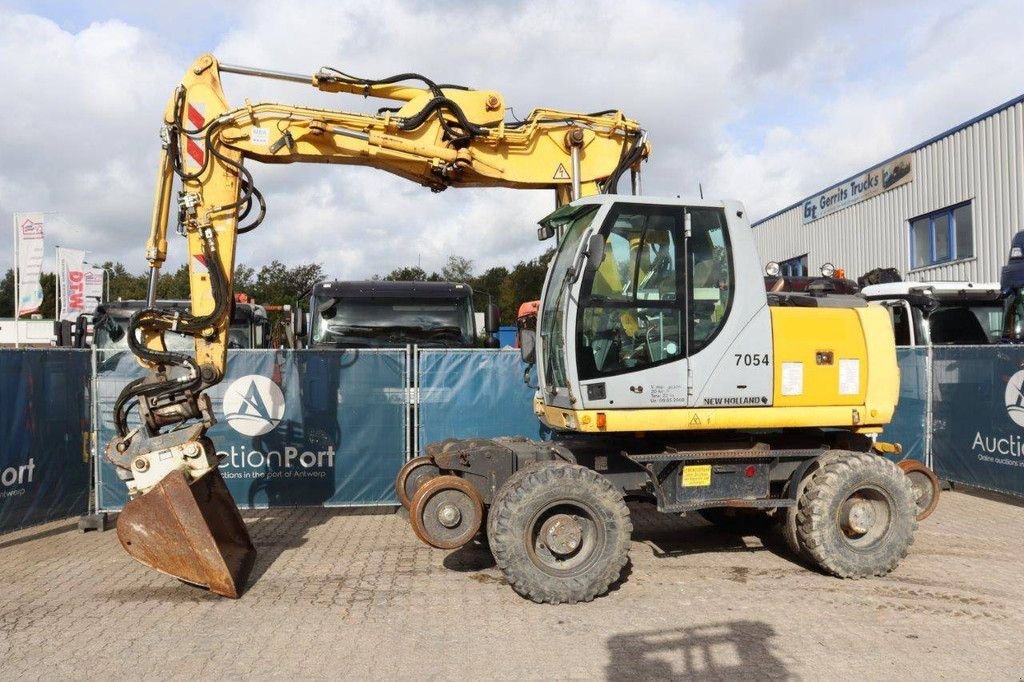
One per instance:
(93, 288)
(71, 269)
(29, 235)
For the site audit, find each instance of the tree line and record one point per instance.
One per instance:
(278, 284)
(504, 286)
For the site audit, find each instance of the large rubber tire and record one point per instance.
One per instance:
(534, 500)
(510, 483)
(788, 515)
(877, 483)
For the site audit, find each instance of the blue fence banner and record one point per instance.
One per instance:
(294, 428)
(978, 416)
(475, 394)
(44, 428)
(909, 425)
(332, 428)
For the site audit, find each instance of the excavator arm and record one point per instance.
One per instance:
(181, 519)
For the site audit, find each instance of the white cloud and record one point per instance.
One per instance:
(764, 101)
(957, 62)
(79, 136)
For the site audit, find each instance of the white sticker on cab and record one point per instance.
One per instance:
(792, 378)
(849, 377)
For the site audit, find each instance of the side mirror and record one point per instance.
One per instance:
(545, 232)
(492, 319)
(528, 345)
(595, 253)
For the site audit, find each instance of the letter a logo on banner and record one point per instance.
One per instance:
(1015, 398)
(253, 405)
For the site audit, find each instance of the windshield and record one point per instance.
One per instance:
(968, 325)
(336, 319)
(553, 312)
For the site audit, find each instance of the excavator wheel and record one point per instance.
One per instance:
(411, 476)
(857, 516)
(191, 531)
(446, 512)
(560, 533)
(926, 486)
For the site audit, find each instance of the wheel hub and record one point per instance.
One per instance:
(562, 534)
(858, 516)
(448, 515)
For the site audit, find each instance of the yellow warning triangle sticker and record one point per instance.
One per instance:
(561, 173)
(695, 421)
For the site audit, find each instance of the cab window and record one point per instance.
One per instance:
(631, 316)
(711, 278)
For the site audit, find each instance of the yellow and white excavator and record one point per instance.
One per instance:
(181, 519)
(672, 375)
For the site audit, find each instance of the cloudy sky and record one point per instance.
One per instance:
(765, 101)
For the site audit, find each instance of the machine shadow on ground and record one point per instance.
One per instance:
(671, 536)
(39, 535)
(667, 536)
(738, 650)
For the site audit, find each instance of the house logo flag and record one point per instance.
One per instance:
(30, 261)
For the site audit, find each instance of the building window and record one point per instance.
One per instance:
(942, 236)
(794, 267)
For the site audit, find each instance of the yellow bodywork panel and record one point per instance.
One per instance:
(820, 357)
(834, 367)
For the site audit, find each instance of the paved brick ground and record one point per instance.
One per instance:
(357, 596)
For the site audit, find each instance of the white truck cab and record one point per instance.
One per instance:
(941, 313)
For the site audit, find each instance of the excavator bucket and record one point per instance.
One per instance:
(193, 532)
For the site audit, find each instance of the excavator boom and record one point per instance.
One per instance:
(181, 519)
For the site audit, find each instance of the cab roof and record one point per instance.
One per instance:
(383, 289)
(939, 290)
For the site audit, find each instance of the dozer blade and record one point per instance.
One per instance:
(192, 532)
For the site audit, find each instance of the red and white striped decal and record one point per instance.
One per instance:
(199, 267)
(194, 143)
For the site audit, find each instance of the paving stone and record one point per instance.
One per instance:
(350, 595)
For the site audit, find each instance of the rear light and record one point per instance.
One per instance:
(602, 420)
(750, 471)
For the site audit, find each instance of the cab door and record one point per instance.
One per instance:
(729, 341)
(630, 329)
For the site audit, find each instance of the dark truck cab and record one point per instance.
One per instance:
(250, 327)
(1011, 284)
(377, 314)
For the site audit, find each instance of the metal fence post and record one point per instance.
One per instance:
(93, 519)
(928, 393)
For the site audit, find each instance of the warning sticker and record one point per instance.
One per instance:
(199, 264)
(561, 173)
(792, 378)
(697, 476)
(259, 136)
(849, 377)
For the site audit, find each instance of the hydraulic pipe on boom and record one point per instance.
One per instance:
(181, 519)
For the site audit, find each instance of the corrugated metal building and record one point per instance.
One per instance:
(943, 210)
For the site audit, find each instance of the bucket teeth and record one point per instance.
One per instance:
(191, 531)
